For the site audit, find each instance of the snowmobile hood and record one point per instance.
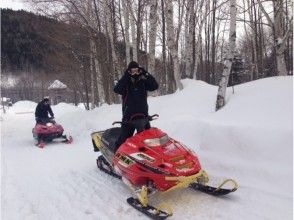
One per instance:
(48, 129)
(156, 150)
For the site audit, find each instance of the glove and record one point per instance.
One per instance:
(143, 71)
(127, 73)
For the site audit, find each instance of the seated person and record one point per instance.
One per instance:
(42, 110)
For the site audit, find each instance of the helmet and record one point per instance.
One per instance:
(46, 99)
(133, 64)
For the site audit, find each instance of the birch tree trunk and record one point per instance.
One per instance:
(280, 38)
(280, 43)
(165, 75)
(152, 35)
(207, 29)
(220, 102)
(134, 32)
(189, 42)
(139, 25)
(252, 43)
(127, 30)
(99, 77)
(197, 54)
(109, 29)
(87, 105)
(172, 43)
(134, 40)
(92, 105)
(198, 44)
(213, 43)
(89, 17)
(256, 42)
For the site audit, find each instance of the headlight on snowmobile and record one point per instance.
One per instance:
(156, 141)
(49, 124)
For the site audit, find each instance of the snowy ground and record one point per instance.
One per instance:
(250, 140)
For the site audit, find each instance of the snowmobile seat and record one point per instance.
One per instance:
(110, 136)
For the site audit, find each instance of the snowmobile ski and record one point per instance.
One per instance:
(148, 210)
(41, 144)
(215, 191)
(102, 162)
(67, 140)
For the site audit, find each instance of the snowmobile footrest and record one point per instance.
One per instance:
(150, 211)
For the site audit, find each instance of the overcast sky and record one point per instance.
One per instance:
(13, 4)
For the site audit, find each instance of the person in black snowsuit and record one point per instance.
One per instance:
(133, 87)
(42, 110)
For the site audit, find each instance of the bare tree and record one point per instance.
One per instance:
(200, 18)
(191, 34)
(127, 30)
(110, 31)
(220, 102)
(280, 38)
(152, 35)
(213, 43)
(133, 21)
(172, 43)
(190, 17)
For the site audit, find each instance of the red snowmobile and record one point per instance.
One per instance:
(150, 162)
(48, 130)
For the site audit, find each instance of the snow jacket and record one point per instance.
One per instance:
(134, 92)
(42, 110)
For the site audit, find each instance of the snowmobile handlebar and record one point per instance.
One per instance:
(148, 118)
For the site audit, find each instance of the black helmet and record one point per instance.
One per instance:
(46, 99)
(133, 64)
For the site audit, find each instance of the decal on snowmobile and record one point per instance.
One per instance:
(142, 156)
(97, 140)
(124, 160)
(151, 168)
(131, 145)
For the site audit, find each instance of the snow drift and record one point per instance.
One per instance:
(250, 140)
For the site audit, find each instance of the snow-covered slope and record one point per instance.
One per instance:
(250, 140)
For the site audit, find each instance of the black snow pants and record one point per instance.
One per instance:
(127, 130)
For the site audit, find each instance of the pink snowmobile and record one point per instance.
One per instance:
(48, 130)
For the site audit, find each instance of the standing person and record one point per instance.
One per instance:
(42, 110)
(133, 87)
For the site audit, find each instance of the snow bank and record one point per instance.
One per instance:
(250, 140)
(64, 108)
(23, 107)
(265, 103)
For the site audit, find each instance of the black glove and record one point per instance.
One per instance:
(143, 71)
(127, 73)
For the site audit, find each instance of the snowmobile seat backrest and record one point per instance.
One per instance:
(110, 136)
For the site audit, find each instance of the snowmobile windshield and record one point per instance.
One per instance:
(156, 141)
(49, 124)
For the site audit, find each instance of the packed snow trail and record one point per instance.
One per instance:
(249, 140)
